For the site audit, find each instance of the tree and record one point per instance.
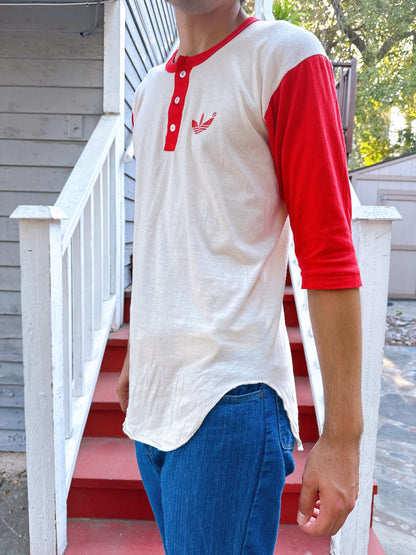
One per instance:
(381, 34)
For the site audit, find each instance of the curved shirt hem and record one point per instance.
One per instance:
(150, 440)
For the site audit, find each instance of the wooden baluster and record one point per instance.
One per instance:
(67, 339)
(89, 281)
(78, 307)
(98, 252)
(106, 229)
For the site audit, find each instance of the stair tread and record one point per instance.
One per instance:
(105, 394)
(288, 294)
(121, 335)
(304, 394)
(109, 461)
(295, 337)
(124, 537)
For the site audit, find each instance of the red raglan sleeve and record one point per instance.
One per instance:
(308, 148)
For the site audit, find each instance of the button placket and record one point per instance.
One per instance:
(176, 107)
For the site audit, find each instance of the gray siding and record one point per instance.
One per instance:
(48, 72)
(145, 20)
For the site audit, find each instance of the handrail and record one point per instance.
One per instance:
(78, 187)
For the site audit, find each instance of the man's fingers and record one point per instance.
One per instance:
(328, 516)
(307, 500)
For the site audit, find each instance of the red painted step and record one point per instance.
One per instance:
(130, 537)
(116, 350)
(298, 355)
(289, 307)
(308, 426)
(105, 418)
(107, 483)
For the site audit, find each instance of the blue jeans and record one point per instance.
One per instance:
(220, 492)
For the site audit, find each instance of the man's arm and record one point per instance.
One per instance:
(330, 479)
(123, 382)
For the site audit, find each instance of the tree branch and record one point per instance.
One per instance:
(348, 31)
(389, 43)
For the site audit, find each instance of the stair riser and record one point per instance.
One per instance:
(291, 316)
(113, 359)
(299, 362)
(109, 423)
(131, 504)
(104, 423)
(127, 303)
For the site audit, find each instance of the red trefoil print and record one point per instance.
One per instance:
(202, 125)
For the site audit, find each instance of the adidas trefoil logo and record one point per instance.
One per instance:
(202, 125)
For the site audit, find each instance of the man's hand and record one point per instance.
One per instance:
(329, 487)
(123, 382)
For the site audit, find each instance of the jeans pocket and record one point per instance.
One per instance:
(244, 393)
(287, 439)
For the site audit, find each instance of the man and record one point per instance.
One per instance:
(237, 131)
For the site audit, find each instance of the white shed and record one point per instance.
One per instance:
(393, 183)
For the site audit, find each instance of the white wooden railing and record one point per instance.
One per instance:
(72, 261)
(371, 226)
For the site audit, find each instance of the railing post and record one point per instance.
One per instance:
(113, 103)
(263, 9)
(372, 237)
(42, 301)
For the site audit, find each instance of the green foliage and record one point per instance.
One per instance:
(381, 34)
(287, 10)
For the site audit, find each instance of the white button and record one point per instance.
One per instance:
(177, 100)
(182, 74)
(172, 127)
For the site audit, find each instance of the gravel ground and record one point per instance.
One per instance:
(14, 526)
(401, 331)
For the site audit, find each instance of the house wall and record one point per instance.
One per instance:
(51, 95)
(51, 98)
(393, 183)
(150, 35)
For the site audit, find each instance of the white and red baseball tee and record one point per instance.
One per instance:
(228, 143)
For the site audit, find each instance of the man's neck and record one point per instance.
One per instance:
(198, 33)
